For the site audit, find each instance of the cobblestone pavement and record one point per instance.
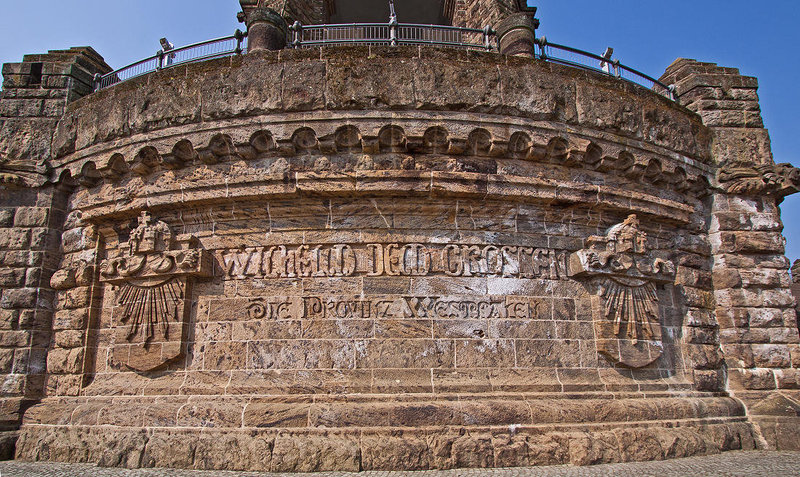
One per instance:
(751, 464)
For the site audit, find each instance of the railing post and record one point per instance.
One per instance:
(297, 34)
(392, 24)
(487, 34)
(671, 89)
(542, 42)
(393, 32)
(160, 60)
(617, 71)
(239, 35)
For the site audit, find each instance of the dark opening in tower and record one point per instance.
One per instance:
(377, 11)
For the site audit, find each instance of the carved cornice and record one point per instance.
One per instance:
(777, 180)
(348, 140)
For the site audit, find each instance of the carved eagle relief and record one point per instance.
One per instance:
(147, 309)
(152, 272)
(626, 275)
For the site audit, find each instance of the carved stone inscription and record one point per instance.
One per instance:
(152, 274)
(414, 307)
(394, 259)
(625, 273)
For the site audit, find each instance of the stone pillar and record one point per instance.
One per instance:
(752, 287)
(517, 35)
(32, 204)
(266, 30)
(796, 286)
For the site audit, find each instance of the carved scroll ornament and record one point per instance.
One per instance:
(626, 274)
(153, 273)
(777, 180)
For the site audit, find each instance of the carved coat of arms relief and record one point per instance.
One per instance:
(152, 275)
(625, 275)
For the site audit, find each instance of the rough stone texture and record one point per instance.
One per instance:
(370, 258)
(35, 93)
(754, 302)
(749, 463)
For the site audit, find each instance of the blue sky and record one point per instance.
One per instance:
(761, 39)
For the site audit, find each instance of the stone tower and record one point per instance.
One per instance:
(362, 257)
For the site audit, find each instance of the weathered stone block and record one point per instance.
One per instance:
(73, 298)
(170, 449)
(639, 444)
(65, 361)
(598, 448)
(69, 338)
(70, 319)
(6, 217)
(19, 298)
(705, 356)
(232, 451)
(291, 450)
(395, 452)
(771, 356)
(31, 217)
(14, 239)
(15, 339)
(788, 378)
(752, 379)
(12, 277)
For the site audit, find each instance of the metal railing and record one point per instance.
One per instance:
(566, 55)
(204, 50)
(387, 34)
(391, 34)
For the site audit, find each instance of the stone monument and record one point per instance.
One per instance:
(389, 257)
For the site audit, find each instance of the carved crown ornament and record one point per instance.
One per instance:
(626, 274)
(777, 180)
(152, 276)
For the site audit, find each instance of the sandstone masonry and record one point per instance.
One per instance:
(370, 258)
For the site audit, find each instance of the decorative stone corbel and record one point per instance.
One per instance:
(625, 275)
(777, 180)
(153, 273)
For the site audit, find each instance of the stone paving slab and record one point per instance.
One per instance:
(756, 463)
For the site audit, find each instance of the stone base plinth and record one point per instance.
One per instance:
(363, 432)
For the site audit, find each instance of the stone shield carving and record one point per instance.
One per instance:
(152, 274)
(625, 275)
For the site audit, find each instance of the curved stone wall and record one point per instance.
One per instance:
(361, 258)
